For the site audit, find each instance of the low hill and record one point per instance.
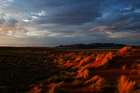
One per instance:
(92, 45)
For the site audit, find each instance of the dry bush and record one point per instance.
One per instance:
(123, 51)
(52, 87)
(78, 58)
(125, 85)
(96, 82)
(102, 59)
(68, 64)
(36, 88)
(83, 74)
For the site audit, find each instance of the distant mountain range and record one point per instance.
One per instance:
(92, 45)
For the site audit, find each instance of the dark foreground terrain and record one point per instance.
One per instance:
(20, 67)
(49, 70)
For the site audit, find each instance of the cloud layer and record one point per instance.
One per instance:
(55, 22)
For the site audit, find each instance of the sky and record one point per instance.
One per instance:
(62, 22)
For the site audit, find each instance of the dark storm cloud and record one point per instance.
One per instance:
(6, 20)
(12, 22)
(124, 21)
(74, 12)
(120, 17)
(77, 12)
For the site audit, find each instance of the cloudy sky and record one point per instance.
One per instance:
(56, 22)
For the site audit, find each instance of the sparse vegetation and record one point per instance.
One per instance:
(125, 85)
(78, 71)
